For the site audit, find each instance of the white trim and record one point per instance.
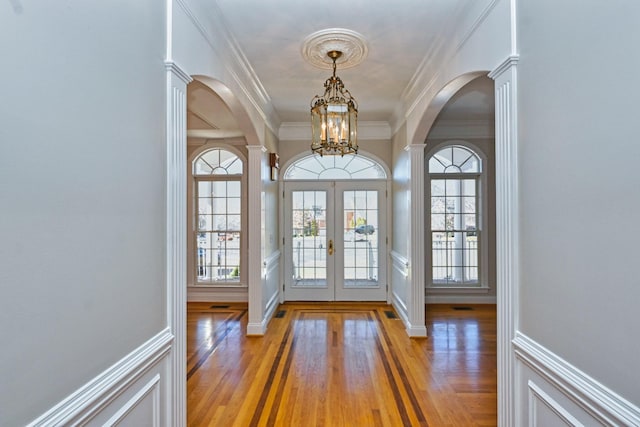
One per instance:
(416, 295)
(401, 309)
(151, 388)
(271, 262)
(270, 309)
(460, 299)
(536, 394)
(507, 236)
(593, 397)
(504, 66)
(177, 71)
(176, 228)
(87, 402)
(410, 95)
(217, 35)
(399, 263)
(257, 324)
(216, 294)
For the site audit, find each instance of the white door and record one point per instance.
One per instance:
(335, 241)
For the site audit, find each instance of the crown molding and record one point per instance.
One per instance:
(429, 71)
(218, 36)
(296, 131)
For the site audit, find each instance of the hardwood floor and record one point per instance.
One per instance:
(341, 365)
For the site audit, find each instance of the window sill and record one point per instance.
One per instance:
(217, 285)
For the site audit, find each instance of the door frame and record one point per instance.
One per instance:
(384, 208)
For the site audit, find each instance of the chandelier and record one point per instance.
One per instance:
(334, 117)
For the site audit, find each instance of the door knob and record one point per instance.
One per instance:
(330, 250)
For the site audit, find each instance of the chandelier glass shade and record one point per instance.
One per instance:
(334, 117)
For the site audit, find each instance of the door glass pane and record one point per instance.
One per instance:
(309, 233)
(361, 245)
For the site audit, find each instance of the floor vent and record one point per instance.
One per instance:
(390, 314)
(462, 308)
(280, 314)
(219, 306)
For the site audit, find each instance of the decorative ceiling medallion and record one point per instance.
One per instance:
(352, 45)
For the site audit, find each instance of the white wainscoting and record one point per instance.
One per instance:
(126, 394)
(558, 393)
(400, 285)
(271, 285)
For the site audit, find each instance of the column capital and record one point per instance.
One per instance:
(507, 64)
(178, 71)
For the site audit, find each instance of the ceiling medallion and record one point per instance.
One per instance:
(352, 45)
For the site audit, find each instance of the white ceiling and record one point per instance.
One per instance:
(399, 36)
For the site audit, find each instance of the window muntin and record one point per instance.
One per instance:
(218, 217)
(455, 228)
(335, 168)
(454, 159)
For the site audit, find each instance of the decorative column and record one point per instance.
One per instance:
(416, 295)
(257, 324)
(507, 236)
(176, 281)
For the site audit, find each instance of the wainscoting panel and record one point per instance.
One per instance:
(129, 393)
(555, 393)
(400, 285)
(545, 411)
(271, 285)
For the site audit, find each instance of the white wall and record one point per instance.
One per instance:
(82, 155)
(578, 93)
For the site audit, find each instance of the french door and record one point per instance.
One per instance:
(335, 241)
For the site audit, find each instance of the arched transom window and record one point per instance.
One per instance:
(335, 167)
(454, 174)
(218, 216)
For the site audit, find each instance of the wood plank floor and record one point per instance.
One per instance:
(341, 365)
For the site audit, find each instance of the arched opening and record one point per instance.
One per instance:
(460, 257)
(335, 227)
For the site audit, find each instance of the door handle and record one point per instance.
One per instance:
(330, 250)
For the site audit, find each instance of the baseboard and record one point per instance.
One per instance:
(591, 396)
(460, 299)
(211, 294)
(97, 398)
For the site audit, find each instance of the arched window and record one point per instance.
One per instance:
(334, 168)
(454, 174)
(218, 216)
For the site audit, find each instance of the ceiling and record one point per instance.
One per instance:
(397, 36)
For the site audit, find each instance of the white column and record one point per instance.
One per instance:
(507, 244)
(257, 323)
(416, 295)
(176, 274)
